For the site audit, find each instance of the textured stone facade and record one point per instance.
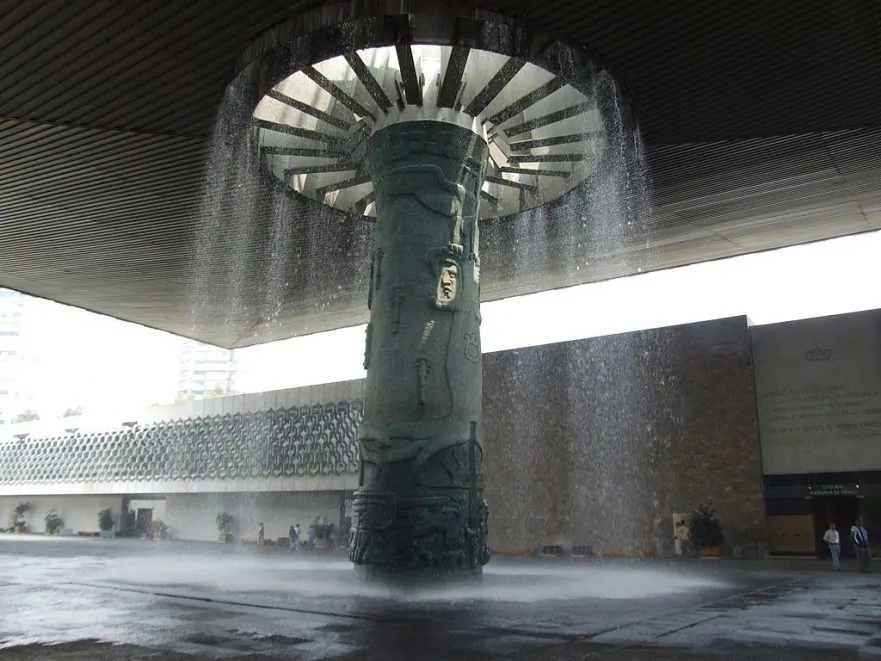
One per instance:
(598, 442)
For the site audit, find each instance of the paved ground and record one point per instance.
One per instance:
(124, 599)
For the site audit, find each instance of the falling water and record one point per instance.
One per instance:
(256, 247)
(584, 442)
(255, 250)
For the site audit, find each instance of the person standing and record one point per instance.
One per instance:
(260, 538)
(833, 541)
(860, 538)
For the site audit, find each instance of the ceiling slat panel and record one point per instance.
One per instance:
(762, 122)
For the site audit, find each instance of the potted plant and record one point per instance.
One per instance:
(225, 524)
(54, 522)
(158, 530)
(706, 532)
(20, 522)
(105, 522)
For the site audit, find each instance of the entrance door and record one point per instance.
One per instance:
(843, 510)
(143, 519)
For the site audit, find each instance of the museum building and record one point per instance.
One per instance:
(599, 445)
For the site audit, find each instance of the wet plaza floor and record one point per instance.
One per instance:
(126, 599)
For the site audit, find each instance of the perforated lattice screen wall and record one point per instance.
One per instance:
(310, 440)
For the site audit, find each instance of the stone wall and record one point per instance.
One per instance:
(818, 384)
(596, 442)
(599, 442)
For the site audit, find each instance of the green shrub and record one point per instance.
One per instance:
(706, 529)
(105, 519)
(54, 522)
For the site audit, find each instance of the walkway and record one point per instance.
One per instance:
(184, 601)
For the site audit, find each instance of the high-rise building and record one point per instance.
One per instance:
(206, 370)
(12, 307)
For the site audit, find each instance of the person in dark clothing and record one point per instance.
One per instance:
(860, 538)
(329, 536)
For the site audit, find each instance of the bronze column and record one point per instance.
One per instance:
(420, 505)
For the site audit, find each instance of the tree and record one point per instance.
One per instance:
(72, 413)
(26, 416)
(189, 396)
(184, 396)
(219, 391)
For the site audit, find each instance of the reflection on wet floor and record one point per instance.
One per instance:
(212, 605)
(510, 583)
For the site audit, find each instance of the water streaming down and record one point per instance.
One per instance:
(257, 246)
(253, 248)
(585, 479)
(229, 199)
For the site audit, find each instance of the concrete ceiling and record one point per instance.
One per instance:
(762, 124)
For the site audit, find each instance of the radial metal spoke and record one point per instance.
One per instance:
(547, 158)
(309, 110)
(511, 184)
(550, 118)
(302, 151)
(492, 199)
(320, 169)
(540, 173)
(449, 90)
(488, 94)
(542, 129)
(308, 134)
(324, 83)
(525, 102)
(526, 145)
(369, 81)
(525, 198)
(362, 204)
(340, 185)
(409, 77)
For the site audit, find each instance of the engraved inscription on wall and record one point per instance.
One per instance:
(818, 387)
(836, 409)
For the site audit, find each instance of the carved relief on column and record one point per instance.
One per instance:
(398, 299)
(370, 282)
(377, 270)
(367, 341)
(423, 369)
(445, 264)
(472, 347)
(420, 504)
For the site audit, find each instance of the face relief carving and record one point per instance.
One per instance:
(449, 277)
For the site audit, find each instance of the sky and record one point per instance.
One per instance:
(811, 280)
(78, 358)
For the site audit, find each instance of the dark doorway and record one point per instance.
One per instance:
(843, 511)
(143, 519)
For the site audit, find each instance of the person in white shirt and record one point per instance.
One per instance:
(833, 541)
